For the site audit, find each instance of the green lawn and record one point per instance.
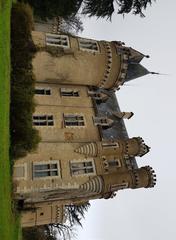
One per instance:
(9, 224)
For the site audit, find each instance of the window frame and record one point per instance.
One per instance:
(24, 166)
(119, 186)
(48, 170)
(49, 122)
(46, 91)
(82, 42)
(110, 145)
(82, 168)
(101, 121)
(55, 37)
(113, 166)
(69, 92)
(77, 123)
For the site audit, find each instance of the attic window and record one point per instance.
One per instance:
(57, 40)
(42, 91)
(68, 92)
(88, 45)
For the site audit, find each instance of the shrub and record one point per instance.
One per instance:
(24, 138)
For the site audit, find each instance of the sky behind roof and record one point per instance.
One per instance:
(143, 213)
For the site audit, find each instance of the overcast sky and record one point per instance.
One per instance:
(144, 214)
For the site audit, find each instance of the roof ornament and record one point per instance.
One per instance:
(158, 73)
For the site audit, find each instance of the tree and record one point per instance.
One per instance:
(72, 24)
(105, 8)
(41, 232)
(99, 8)
(75, 213)
(65, 231)
(52, 8)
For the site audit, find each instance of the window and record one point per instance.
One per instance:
(73, 120)
(43, 120)
(50, 169)
(82, 168)
(116, 187)
(94, 94)
(42, 91)
(102, 121)
(20, 171)
(98, 96)
(88, 45)
(113, 163)
(67, 92)
(110, 145)
(57, 40)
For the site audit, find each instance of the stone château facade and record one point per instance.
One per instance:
(85, 152)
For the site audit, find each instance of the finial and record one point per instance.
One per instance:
(159, 73)
(155, 73)
(147, 56)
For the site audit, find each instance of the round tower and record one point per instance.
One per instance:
(66, 59)
(136, 147)
(143, 177)
(105, 185)
(131, 147)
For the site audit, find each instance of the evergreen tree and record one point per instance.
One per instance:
(52, 8)
(72, 24)
(105, 8)
(99, 8)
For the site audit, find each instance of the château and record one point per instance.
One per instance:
(85, 152)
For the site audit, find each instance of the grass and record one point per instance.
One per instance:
(9, 224)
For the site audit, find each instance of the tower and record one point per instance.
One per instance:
(73, 60)
(85, 152)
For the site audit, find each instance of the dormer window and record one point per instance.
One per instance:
(99, 97)
(103, 121)
(57, 40)
(88, 45)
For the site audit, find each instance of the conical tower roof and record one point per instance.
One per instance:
(135, 70)
(136, 56)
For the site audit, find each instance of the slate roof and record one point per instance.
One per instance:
(135, 70)
(118, 130)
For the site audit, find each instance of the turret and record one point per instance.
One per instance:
(136, 147)
(131, 147)
(66, 59)
(143, 177)
(106, 184)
